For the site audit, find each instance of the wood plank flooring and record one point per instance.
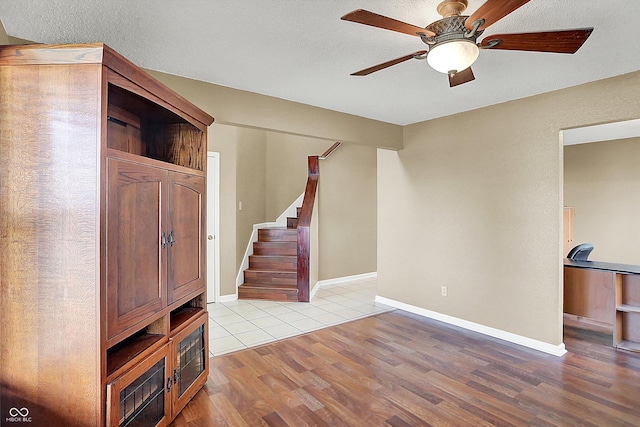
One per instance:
(398, 369)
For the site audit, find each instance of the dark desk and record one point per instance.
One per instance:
(608, 293)
(605, 266)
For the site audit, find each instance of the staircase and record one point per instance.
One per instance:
(284, 262)
(272, 273)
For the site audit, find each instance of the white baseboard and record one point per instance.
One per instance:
(228, 298)
(555, 350)
(339, 280)
(313, 291)
(345, 279)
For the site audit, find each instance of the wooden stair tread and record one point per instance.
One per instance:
(273, 262)
(275, 248)
(265, 258)
(271, 277)
(273, 256)
(276, 244)
(279, 234)
(268, 292)
(268, 286)
(268, 257)
(254, 270)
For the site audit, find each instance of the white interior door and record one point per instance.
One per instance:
(213, 226)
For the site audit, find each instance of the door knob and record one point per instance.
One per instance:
(210, 237)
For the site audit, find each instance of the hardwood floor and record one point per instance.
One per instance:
(399, 369)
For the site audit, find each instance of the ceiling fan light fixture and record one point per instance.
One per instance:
(453, 56)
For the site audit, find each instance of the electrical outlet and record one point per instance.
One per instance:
(443, 291)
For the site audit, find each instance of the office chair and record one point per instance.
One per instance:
(580, 252)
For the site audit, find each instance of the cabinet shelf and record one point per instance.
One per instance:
(139, 126)
(183, 316)
(628, 308)
(627, 321)
(121, 354)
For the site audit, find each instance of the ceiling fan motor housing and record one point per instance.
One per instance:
(450, 28)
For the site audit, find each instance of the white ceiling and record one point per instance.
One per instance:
(300, 50)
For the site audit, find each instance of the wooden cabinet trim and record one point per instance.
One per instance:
(133, 158)
(99, 53)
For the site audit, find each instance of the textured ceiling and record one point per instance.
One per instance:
(300, 50)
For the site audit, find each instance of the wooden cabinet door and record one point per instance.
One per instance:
(190, 359)
(135, 261)
(142, 395)
(186, 268)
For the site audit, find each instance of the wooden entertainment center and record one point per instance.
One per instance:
(103, 316)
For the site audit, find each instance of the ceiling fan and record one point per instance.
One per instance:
(451, 41)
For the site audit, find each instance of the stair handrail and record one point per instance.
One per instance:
(329, 151)
(304, 231)
(306, 223)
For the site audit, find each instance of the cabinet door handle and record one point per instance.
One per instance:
(172, 239)
(163, 240)
(169, 384)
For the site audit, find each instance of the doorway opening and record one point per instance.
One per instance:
(601, 202)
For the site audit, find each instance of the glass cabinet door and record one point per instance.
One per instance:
(191, 361)
(140, 398)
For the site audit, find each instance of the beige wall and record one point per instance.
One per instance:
(287, 168)
(240, 108)
(251, 186)
(602, 183)
(348, 212)
(474, 202)
(4, 38)
(267, 171)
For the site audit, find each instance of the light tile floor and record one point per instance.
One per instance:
(241, 324)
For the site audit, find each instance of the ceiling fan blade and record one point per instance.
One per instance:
(387, 64)
(567, 41)
(373, 19)
(492, 11)
(461, 77)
